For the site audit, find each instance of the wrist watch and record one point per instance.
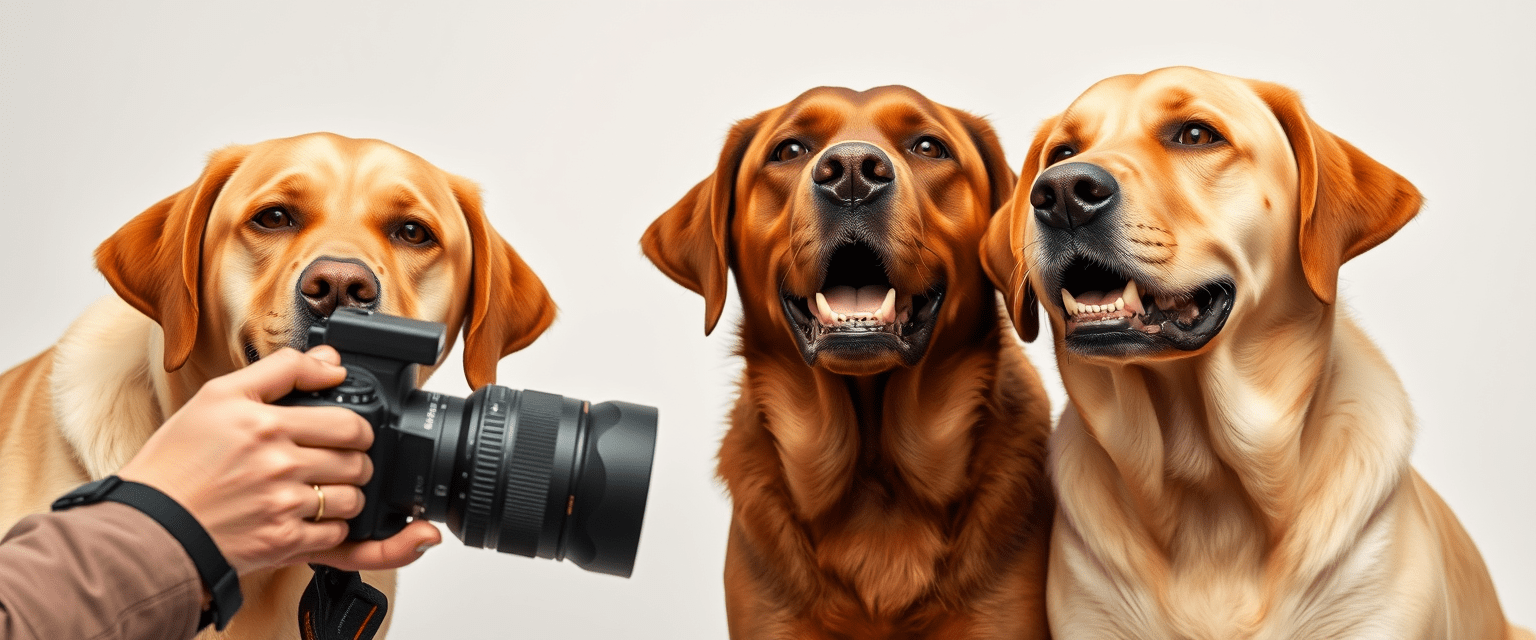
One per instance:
(222, 582)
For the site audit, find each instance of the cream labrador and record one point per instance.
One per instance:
(1234, 459)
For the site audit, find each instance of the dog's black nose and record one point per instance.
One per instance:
(329, 283)
(853, 173)
(1068, 196)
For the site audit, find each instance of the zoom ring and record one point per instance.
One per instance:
(482, 477)
(528, 473)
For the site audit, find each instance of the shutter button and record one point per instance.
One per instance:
(355, 391)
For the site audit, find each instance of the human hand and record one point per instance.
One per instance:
(247, 470)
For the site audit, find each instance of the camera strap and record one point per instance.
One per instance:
(338, 605)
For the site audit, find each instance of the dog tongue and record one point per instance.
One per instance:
(840, 304)
(848, 300)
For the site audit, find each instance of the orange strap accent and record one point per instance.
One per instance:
(364, 625)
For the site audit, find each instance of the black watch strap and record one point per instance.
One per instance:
(222, 581)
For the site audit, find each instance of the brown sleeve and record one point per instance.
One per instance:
(104, 571)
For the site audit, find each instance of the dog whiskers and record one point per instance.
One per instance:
(794, 258)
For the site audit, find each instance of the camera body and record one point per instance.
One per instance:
(525, 472)
(381, 354)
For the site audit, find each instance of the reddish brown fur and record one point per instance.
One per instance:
(871, 499)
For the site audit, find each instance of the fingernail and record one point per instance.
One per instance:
(422, 548)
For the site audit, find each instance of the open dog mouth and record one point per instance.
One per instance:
(858, 310)
(1109, 312)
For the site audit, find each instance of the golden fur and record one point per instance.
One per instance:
(872, 498)
(198, 282)
(1258, 486)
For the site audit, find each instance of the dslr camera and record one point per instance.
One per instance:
(524, 472)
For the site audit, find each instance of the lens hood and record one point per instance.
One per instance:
(608, 505)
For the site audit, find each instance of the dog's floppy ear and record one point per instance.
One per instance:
(1348, 202)
(508, 305)
(155, 261)
(999, 174)
(1002, 260)
(689, 242)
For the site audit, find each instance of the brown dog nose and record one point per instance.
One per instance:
(853, 173)
(1069, 195)
(328, 283)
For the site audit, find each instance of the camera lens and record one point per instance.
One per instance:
(537, 474)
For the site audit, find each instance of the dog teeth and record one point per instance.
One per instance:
(1069, 302)
(824, 311)
(821, 305)
(887, 312)
(1132, 298)
(1127, 299)
(884, 313)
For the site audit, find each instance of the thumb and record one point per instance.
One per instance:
(396, 551)
(274, 376)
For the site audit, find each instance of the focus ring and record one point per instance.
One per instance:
(528, 472)
(489, 444)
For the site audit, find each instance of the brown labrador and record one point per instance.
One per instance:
(885, 454)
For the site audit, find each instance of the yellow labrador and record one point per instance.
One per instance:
(1234, 459)
(269, 239)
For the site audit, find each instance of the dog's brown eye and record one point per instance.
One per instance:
(1059, 153)
(273, 218)
(413, 233)
(930, 147)
(789, 150)
(1196, 134)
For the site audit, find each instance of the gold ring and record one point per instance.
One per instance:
(319, 513)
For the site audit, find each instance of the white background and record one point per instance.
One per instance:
(585, 121)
